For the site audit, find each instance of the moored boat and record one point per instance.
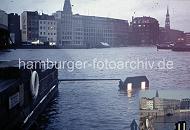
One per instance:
(24, 93)
(166, 45)
(181, 45)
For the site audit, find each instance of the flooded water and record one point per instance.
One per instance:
(99, 104)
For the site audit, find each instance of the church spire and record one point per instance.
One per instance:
(157, 95)
(167, 11)
(167, 21)
(67, 9)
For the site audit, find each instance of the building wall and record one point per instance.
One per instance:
(144, 31)
(143, 104)
(38, 27)
(30, 26)
(3, 18)
(24, 30)
(185, 104)
(150, 104)
(66, 30)
(88, 31)
(170, 35)
(146, 104)
(175, 34)
(47, 30)
(170, 104)
(57, 17)
(187, 37)
(4, 33)
(14, 28)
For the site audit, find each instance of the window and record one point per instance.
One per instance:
(129, 87)
(143, 85)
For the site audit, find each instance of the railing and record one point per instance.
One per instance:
(61, 80)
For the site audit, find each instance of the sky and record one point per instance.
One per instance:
(122, 9)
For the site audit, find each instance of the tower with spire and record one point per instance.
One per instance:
(67, 25)
(67, 8)
(167, 21)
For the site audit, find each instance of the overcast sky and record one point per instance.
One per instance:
(123, 9)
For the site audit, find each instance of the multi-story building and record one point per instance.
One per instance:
(3, 19)
(38, 27)
(170, 104)
(30, 26)
(187, 37)
(157, 103)
(144, 31)
(150, 104)
(4, 33)
(47, 28)
(79, 31)
(143, 103)
(57, 17)
(185, 103)
(14, 28)
(146, 104)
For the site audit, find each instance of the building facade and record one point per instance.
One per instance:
(187, 38)
(79, 31)
(30, 26)
(14, 28)
(157, 103)
(4, 33)
(185, 103)
(3, 19)
(144, 31)
(47, 29)
(38, 27)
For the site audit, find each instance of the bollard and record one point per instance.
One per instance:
(181, 125)
(134, 125)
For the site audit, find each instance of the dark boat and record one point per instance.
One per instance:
(24, 93)
(166, 45)
(181, 45)
(169, 114)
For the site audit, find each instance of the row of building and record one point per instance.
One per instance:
(157, 103)
(70, 30)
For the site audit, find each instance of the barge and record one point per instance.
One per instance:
(24, 93)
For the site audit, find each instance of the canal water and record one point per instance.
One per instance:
(100, 104)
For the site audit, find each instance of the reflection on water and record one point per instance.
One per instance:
(91, 105)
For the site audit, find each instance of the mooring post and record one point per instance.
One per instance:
(134, 125)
